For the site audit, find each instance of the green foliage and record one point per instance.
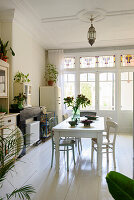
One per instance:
(51, 73)
(23, 192)
(4, 50)
(121, 187)
(80, 100)
(21, 78)
(10, 147)
(19, 100)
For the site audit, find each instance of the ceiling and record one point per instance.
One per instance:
(63, 24)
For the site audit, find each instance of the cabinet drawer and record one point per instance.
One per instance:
(9, 120)
(7, 131)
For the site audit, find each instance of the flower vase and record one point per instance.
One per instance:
(76, 114)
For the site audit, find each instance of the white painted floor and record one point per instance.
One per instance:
(80, 183)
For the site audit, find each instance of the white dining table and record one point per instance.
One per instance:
(95, 130)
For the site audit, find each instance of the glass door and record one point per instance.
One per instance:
(3, 81)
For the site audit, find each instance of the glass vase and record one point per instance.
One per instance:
(76, 115)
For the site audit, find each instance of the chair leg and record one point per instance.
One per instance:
(92, 152)
(114, 157)
(73, 154)
(107, 150)
(52, 156)
(67, 159)
(80, 144)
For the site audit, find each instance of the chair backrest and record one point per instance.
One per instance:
(82, 113)
(65, 116)
(111, 124)
(53, 121)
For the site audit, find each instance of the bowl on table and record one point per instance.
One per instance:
(87, 122)
(91, 117)
(72, 123)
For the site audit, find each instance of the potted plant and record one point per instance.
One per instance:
(4, 50)
(21, 78)
(18, 101)
(11, 145)
(81, 100)
(51, 74)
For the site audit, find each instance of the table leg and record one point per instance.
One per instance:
(56, 136)
(99, 154)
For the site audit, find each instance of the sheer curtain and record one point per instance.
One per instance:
(56, 57)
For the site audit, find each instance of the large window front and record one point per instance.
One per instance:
(106, 80)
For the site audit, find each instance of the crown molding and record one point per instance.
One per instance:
(97, 49)
(85, 15)
(7, 15)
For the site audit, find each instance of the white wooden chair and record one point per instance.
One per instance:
(78, 140)
(108, 145)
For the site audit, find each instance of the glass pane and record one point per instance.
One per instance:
(127, 60)
(65, 77)
(103, 76)
(106, 61)
(127, 92)
(127, 76)
(2, 81)
(69, 62)
(71, 77)
(68, 89)
(91, 77)
(106, 92)
(87, 62)
(83, 77)
(87, 88)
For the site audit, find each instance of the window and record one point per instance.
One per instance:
(87, 62)
(69, 62)
(127, 60)
(126, 90)
(87, 88)
(106, 61)
(106, 91)
(69, 85)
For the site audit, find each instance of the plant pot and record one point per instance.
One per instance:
(50, 83)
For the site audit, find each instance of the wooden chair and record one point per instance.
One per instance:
(65, 145)
(108, 145)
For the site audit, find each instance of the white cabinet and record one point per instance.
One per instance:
(50, 96)
(4, 89)
(24, 88)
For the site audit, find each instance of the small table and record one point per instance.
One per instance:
(95, 130)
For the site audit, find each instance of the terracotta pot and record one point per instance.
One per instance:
(50, 83)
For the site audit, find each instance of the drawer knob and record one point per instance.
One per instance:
(9, 120)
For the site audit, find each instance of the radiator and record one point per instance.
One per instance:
(32, 132)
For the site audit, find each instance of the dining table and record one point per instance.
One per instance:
(95, 130)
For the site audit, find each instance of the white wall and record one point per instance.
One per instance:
(29, 58)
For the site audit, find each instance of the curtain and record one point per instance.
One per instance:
(56, 57)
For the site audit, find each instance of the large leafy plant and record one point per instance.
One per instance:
(10, 146)
(51, 73)
(21, 77)
(4, 49)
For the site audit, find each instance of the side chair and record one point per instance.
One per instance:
(65, 145)
(108, 145)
